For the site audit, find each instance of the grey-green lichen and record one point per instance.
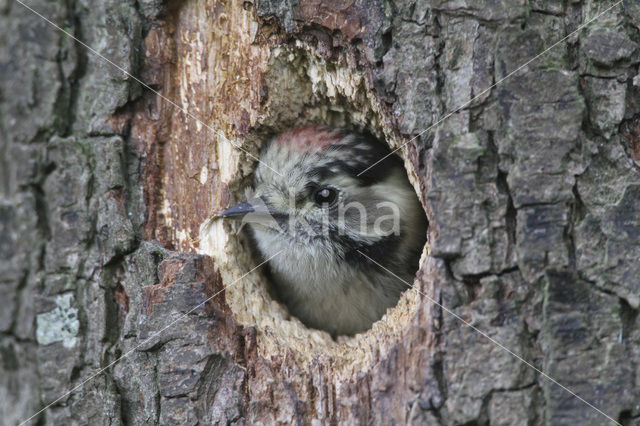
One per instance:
(61, 324)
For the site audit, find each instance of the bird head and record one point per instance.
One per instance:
(326, 221)
(310, 189)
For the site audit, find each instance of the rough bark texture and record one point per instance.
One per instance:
(532, 193)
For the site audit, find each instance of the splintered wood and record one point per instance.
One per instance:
(236, 82)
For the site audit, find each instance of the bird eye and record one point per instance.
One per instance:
(324, 196)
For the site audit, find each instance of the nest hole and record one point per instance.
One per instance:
(300, 88)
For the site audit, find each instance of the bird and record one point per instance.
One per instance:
(342, 240)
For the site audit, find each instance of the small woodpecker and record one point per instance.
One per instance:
(327, 220)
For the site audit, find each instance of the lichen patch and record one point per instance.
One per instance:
(61, 324)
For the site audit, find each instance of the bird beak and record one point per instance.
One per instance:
(251, 211)
(238, 211)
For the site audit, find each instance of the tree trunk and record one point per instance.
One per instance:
(528, 290)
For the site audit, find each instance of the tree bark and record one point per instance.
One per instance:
(532, 192)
